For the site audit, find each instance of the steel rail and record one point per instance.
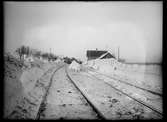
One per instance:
(98, 112)
(46, 93)
(121, 81)
(139, 101)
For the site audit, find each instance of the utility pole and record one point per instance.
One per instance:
(50, 55)
(50, 50)
(118, 52)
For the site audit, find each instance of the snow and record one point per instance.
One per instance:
(29, 78)
(24, 87)
(58, 60)
(64, 101)
(29, 59)
(108, 100)
(13, 87)
(25, 84)
(75, 66)
(147, 76)
(138, 96)
(103, 65)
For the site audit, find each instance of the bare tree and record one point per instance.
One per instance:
(19, 52)
(23, 50)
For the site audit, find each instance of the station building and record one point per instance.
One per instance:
(98, 54)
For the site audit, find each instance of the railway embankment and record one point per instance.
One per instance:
(25, 85)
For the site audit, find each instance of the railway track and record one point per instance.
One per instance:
(27, 107)
(97, 113)
(121, 81)
(102, 113)
(46, 93)
(91, 102)
(130, 96)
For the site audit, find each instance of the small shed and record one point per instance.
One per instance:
(98, 54)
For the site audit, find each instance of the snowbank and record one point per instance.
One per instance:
(29, 78)
(75, 66)
(113, 65)
(103, 65)
(29, 59)
(13, 89)
(58, 61)
(24, 87)
(147, 76)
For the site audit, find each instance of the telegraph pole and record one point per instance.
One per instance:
(118, 52)
(50, 55)
(50, 50)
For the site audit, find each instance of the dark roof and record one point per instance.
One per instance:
(95, 53)
(108, 55)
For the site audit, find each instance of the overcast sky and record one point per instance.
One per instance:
(70, 28)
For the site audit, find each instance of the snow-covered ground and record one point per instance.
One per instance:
(111, 103)
(13, 89)
(25, 84)
(146, 76)
(75, 66)
(64, 101)
(137, 93)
